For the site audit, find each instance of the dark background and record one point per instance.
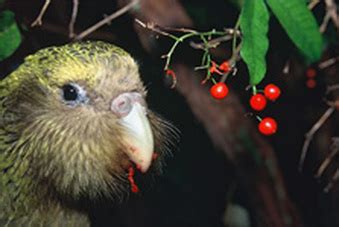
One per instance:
(200, 180)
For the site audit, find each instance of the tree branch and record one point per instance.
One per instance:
(328, 159)
(107, 20)
(309, 135)
(73, 18)
(38, 20)
(327, 63)
(331, 14)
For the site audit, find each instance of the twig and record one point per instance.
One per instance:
(331, 183)
(211, 43)
(155, 28)
(332, 9)
(313, 4)
(331, 14)
(183, 30)
(205, 37)
(327, 161)
(207, 43)
(73, 18)
(332, 88)
(324, 24)
(62, 30)
(286, 68)
(334, 103)
(328, 62)
(107, 20)
(309, 135)
(38, 20)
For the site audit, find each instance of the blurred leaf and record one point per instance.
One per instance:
(254, 20)
(300, 25)
(237, 3)
(10, 37)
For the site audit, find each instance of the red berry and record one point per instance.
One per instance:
(311, 73)
(272, 92)
(311, 83)
(225, 67)
(268, 126)
(219, 90)
(258, 102)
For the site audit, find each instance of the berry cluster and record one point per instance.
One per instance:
(258, 101)
(311, 74)
(267, 126)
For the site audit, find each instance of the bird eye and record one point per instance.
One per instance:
(73, 94)
(70, 92)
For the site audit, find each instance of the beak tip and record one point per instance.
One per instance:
(143, 164)
(144, 168)
(141, 157)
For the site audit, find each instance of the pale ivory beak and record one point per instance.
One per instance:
(138, 138)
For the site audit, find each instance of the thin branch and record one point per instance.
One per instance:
(211, 43)
(333, 180)
(286, 69)
(313, 4)
(230, 33)
(327, 161)
(206, 37)
(332, 88)
(331, 14)
(334, 103)
(73, 18)
(332, 9)
(324, 24)
(106, 20)
(335, 177)
(327, 63)
(38, 20)
(183, 30)
(61, 30)
(309, 135)
(151, 26)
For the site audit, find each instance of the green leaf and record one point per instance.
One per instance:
(300, 25)
(254, 20)
(10, 37)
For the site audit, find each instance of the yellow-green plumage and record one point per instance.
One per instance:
(57, 159)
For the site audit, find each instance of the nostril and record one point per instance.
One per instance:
(122, 105)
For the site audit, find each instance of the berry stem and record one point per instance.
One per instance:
(224, 77)
(234, 39)
(189, 34)
(258, 118)
(176, 43)
(214, 81)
